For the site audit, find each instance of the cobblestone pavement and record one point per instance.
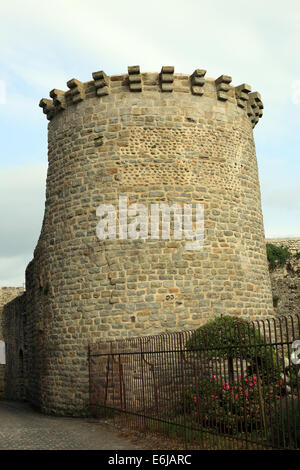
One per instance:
(21, 428)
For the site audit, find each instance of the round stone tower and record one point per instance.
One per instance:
(152, 138)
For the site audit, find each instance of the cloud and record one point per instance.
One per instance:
(12, 270)
(22, 199)
(281, 207)
(18, 105)
(231, 38)
(284, 198)
(47, 44)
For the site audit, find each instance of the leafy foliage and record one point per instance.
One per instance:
(277, 255)
(230, 337)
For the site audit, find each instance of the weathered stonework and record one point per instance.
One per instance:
(7, 294)
(285, 280)
(14, 331)
(156, 137)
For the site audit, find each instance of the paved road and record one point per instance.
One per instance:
(21, 428)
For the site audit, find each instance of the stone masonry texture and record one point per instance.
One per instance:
(285, 280)
(7, 294)
(154, 137)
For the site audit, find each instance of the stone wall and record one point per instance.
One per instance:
(14, 331)
(285, 280)
(6, 295)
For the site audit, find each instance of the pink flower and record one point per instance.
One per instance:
(195, 399)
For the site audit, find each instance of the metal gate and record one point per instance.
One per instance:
(232, 387)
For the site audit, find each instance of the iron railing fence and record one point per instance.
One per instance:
(232, 386)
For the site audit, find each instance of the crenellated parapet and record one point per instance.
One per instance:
(101, 82)
(59, 99)
(166, 82)
(242, 95)
(48, 108)
(255, 107)
(134, 78)
(76, 90)
(222, 87)
(197, 82)
(167, 78)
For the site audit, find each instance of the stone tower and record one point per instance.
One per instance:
(156, 138)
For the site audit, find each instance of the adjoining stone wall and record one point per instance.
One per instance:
(285, 280)
(14, 327)
(6, 295)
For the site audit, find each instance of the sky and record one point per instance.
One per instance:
(44, 44)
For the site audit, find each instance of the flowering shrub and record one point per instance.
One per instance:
(233, 407)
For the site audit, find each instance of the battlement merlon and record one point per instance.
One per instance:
(165, 81)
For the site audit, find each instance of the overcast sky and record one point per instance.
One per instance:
(44, 44)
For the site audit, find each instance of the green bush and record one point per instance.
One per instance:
(297, 255)
(277, 255)
(230, 337)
